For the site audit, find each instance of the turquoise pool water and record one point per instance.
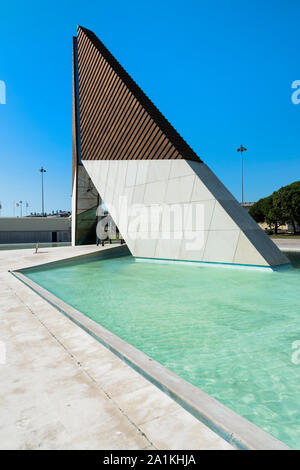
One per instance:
(229, 332)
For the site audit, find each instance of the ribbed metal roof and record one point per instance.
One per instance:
(117, 120)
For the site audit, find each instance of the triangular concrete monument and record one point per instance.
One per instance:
(165, 201)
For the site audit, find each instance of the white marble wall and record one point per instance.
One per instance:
(209, 224)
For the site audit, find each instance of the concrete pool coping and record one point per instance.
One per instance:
(232, 427)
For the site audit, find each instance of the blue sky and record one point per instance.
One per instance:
(220, 71)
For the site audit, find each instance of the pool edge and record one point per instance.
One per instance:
(229, 425)
(214, 264)
(109, 252)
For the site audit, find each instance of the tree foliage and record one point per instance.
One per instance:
(279, 208)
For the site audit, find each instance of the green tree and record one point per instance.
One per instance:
(257, 211)
(287, 201)
(265, 210)
(281, 207)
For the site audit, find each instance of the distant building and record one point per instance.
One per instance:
(51, 214)
(290, 228)
(35, 229)
(247, 205)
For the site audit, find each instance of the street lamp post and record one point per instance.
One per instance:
(242, 149)
(42, 170)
